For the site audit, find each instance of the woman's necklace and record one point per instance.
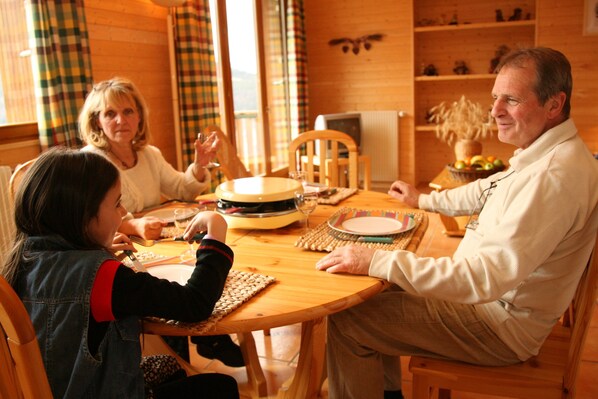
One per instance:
(125, 164)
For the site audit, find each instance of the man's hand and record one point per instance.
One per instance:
(405, 193)
(353, 259)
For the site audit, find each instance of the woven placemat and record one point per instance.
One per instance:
(239, 288)
(324, 238)
(341, 194)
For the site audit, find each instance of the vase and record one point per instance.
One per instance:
(466, 148)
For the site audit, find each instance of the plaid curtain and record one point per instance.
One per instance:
(60, 48)
(196, 72)
(297, 67)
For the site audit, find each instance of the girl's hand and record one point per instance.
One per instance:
(210, 222)
(353, 259)
(121, 242)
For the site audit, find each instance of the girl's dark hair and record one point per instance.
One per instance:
(59, 195)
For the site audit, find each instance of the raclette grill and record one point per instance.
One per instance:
(258, 202)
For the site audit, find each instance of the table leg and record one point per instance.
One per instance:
(255, 374)
(451, 226)
(308, 378)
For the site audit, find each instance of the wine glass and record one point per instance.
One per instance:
(299, 176)
(203, 138)
(182, 217)
(306, 203)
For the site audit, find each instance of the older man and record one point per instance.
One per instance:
(496, 299)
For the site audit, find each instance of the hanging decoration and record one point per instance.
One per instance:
(355, 44)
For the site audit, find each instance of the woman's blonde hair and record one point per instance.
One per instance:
(112, 92)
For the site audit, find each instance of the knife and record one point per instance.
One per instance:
(376, 239)
(136, 263)
(150, 243)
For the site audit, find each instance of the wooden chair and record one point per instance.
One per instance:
(22, 372)
(231, 166)
(17, 175)
(309, 151)
(550, 374)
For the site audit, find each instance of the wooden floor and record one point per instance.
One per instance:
(278, 352)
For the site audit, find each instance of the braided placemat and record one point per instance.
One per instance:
(341, 194)
(239, 288)
(325, 238)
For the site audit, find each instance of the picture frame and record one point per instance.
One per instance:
(590, 17)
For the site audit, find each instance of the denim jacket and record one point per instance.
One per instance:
(55, 285)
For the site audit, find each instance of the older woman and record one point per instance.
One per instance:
(114, 123)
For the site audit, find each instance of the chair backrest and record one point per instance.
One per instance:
(17, 175)
(321, 148)
(580, 316)
(231, 166)
(22, 371)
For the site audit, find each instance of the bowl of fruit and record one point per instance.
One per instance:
(478, 167)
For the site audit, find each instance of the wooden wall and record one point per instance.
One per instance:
(378, 79)
(383, 77)
(129, 39)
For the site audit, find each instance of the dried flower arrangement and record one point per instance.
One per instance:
(461, 120)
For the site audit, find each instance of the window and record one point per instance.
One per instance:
(250, 55)
(17, 95)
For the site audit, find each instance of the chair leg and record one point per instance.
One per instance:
(420, 388)
(267, 332)
(444, 393)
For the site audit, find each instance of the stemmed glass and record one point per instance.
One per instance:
(182, 217)
(202, 139)
(306, 203)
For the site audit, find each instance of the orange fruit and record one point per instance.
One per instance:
(467, 161)
(459, 165)
(490, 158)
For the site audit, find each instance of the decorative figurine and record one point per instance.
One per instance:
(517, 14)
(499, 17)
(430, 70)
(454, 20)
(460, 68)
(500, 52)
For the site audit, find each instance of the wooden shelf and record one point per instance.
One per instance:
(476, 76)
(485, 25)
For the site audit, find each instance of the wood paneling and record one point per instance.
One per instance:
(378, 79)
(130, 39)
(383, 77)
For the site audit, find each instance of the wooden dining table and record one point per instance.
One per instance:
(300, 293)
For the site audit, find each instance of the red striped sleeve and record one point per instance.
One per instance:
(101, 292)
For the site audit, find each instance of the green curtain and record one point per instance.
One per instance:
(297, 67)
(196, 72)
(60, 45)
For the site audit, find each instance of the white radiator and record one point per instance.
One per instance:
(7, 223)
(380, 140)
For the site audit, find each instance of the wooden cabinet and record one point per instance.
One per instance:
(474, 40)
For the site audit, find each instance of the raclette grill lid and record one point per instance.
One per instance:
(258, 189)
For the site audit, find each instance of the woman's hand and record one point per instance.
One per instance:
(405, 193)
(149, 228)
(210, 222)
(353, 259)
(206, 151)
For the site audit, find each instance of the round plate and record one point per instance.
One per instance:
(258, 189)
(166, 214)
(372, 223)
(172, 272)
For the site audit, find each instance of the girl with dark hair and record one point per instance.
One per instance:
(85, 305)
